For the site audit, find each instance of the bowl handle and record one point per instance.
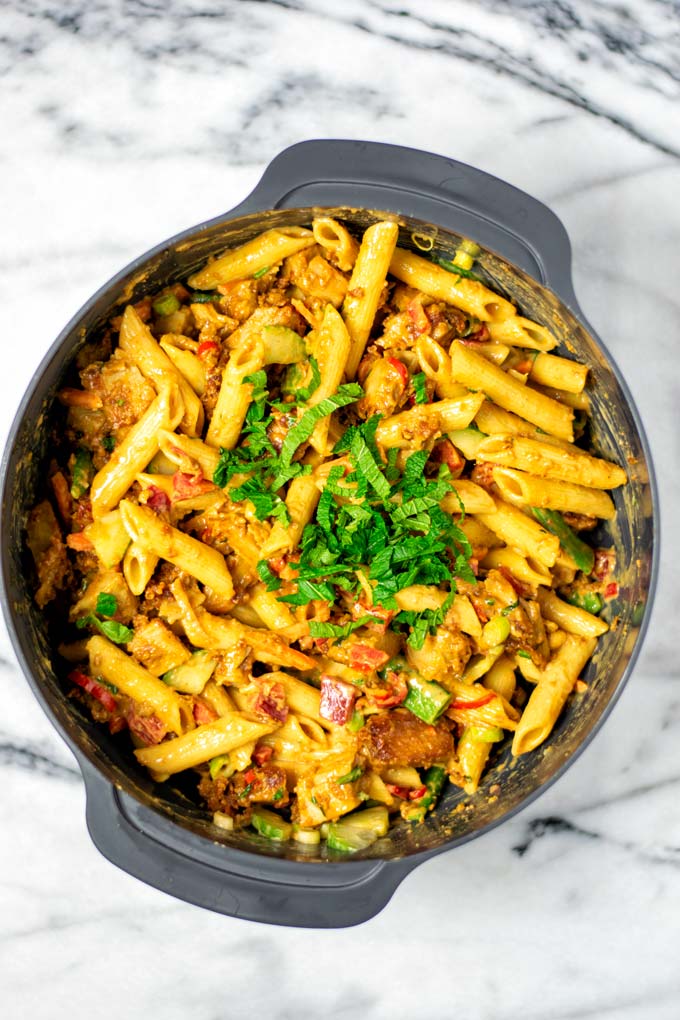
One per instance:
(327, 896)
(435, 188)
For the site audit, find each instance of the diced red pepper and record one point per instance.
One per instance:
(479, 703)
(158, 500)
(203, 713)
(262, 753)
(207, 345)
(417, 794)
(602, 565)
(271, 701)
(394, 693)
(418, 317)
(90, 685)
(367, 659)
(186, 486)
(337, 700)
(79, 542)
(401, 368)
(444, 452)
(480, 336)
(398, 791)
(250, 776)
(611, 591)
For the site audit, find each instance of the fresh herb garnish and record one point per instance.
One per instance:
(420, 624)
(418, 382)
(267, 575)
(106, 604)
(109, 443)
(337, 630)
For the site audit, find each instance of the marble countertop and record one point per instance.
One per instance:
(125, 122)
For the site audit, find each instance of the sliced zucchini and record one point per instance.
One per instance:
(283, 346)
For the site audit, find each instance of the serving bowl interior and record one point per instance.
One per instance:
(509, 782)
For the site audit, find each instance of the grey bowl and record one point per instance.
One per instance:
(158, 832)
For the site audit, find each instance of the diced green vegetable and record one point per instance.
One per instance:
(582, 555)
(283, 346)
(308, 837)
(166, 304)
(358, 830)
(216, 765)
(486, 734)
(261, 272)
(451, 267)
(467, 441)
(192, 676)
(435, 777)
(109, 443)
(591, 601)
(356, 722)
(351, 776)
(496, 631)
(270, 825)
(82, 473)
(426, 699)
(204, 297)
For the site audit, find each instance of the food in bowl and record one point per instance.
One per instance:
(310, 513)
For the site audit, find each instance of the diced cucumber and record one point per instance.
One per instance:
(426, 699)
(82, 473)
(166, 304)
(283, 346)
(375, 819)
(435, 777)
(270, 825)
(467, 441)
(192, 676)
(345, 837)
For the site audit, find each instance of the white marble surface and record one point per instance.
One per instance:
(124, 122)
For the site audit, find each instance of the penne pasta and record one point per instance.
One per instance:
(263, 251)
(365, 288)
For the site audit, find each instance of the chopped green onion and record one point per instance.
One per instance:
(166, 304)
(204, 297)
(215, 765)
(582, 555)
(350, 777)
(591, 601)
(261, 272)
(356, 722)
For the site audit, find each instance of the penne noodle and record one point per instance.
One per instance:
(469, 295)
(549, 461)
(365, 288)
(552, 689)
(479, 374)
(222, 736)
(135, 451)
(118, 668)
(530, 490)
(263, 251)
(207, 565)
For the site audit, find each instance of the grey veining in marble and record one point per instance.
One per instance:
(125, 122)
